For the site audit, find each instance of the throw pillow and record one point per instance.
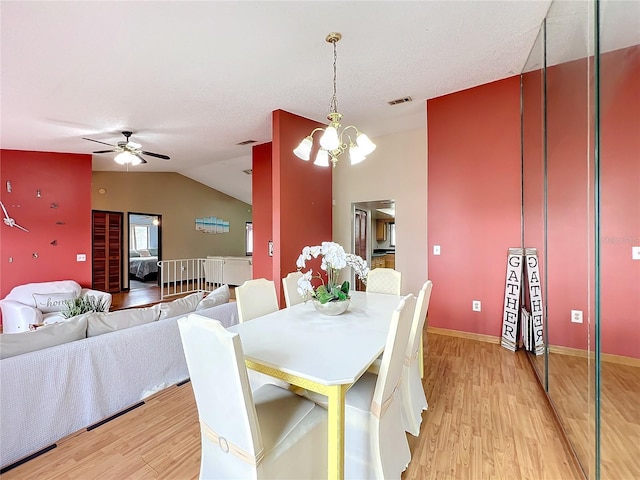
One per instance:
(52, 302)
(105, 322)
(180, 306)
(12, 344)
(144, 253)
(217, 297)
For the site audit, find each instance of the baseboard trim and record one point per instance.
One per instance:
(179, 384)
(112, 417)
(458, 333)
(604, 357)
(27, 458)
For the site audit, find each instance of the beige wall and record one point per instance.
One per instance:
(179, 200)
(397, 170)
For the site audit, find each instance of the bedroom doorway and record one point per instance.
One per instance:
(145, 249)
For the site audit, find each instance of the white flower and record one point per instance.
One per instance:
(304, 284)
(334, 259)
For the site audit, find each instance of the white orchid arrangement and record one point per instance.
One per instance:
(334, 259)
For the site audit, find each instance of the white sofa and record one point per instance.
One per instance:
(50, 393)
(43, 302)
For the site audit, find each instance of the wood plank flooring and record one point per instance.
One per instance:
(487, 419)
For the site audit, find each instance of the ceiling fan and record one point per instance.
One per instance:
(128, 151)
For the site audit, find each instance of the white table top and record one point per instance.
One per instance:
(327, 350)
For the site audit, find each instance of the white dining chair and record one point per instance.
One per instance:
(414, 399)
(256, 298)
(376, 445)
(268, 433)
(290, 287)
(384, 280)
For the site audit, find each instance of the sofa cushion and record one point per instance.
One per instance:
(99, 323)
(52, 302)
(12, 344)
(180, 306)
(217, 297)
(24, 293)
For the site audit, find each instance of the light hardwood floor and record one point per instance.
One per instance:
(487, 419)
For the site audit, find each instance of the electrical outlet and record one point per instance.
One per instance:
(81, 257)
(635, 253)
(436, 249)
(476, 306)
(576, 316)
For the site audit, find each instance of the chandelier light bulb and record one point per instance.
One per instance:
(303, 150)
(329, 140)
(365, 144)
(355, 154)
(322, 158)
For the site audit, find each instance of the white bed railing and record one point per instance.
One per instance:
(188, 275)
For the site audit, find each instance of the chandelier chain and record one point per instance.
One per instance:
(333, 106)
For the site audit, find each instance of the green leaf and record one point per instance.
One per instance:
(345, 287)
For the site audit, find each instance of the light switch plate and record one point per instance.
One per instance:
(436, 249)
(81, 257)
(635, 253)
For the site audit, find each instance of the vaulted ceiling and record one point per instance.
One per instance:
(194, 79)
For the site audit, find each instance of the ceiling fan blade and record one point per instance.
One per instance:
(97, 141)
(158, 155)
(105, 151)
(140, 157)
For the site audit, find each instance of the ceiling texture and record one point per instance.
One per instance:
(194, 79)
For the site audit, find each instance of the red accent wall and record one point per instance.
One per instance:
(63, 179)
(473, 202)
(262, 209)
(299, 211)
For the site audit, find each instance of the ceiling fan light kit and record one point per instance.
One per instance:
(334, 142)
(129, 153)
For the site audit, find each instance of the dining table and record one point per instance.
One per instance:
(320, 353)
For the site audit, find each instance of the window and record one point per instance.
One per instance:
(392, 234)
(140, 236)
(248, 237)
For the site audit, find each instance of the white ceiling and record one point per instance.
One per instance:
(192, 79)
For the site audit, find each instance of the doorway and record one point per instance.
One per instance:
(373, 233)
(145, 249)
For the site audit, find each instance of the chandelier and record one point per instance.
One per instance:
(334, 142)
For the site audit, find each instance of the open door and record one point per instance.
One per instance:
(145, 249)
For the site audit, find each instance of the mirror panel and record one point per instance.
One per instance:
(581, 175)
(533, 169)
(570, 124)
(619, 222)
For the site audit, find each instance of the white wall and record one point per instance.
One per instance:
(396, 170)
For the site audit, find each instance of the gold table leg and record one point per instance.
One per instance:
(336, 395)
(335, 453)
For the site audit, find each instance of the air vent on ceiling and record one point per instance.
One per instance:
(400, 100)
(246, 142)
(248, 171)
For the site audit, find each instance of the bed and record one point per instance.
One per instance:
(143, 267)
